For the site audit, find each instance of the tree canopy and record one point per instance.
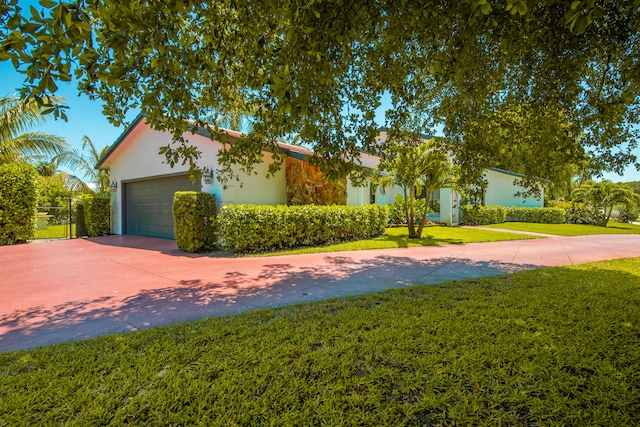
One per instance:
(317, 69)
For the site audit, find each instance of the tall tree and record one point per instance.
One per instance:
(17, 116)
(83, 164)
(318, 69)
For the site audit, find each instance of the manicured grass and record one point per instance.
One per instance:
(570, 229)
(555, 346)
(397, 238)
(54, 232)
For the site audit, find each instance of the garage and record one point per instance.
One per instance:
(148, 205)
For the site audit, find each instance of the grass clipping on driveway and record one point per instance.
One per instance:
(557, 346)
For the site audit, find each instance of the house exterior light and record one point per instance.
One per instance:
(207, 175)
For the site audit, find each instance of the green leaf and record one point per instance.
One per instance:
(522, 8)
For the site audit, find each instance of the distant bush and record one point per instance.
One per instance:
(194, 219)
(627, 213)
(577, 213)
(538, 215)
(561, 204)
(582, 215)
(18, 196)
(250, 228)
(483, 215)
(93, 216)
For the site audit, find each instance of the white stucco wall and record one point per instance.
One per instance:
(501, 189)
(137, 158)
(357, 196)
(389, 195)
(257, 188)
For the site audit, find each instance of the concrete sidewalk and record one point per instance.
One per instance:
(74, 289)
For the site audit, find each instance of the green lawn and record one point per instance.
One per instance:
(555, 346)
(54, 232)
(397, 238)
(569, 229)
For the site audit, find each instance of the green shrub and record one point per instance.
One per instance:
(577, 213)
(483, 215)
(628, 213)
(538, 215)
(249, 228)
(53, 192)
(396, 211)
(93, 216)
(398, 215)
(18, 195)
(194, 219)
(81, 227)
(561, 204)
(582, 215)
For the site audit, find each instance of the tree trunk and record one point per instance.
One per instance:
(424, 214)
(606, 216)
(411, 216)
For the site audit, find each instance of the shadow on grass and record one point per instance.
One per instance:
(235, 291)
(406, 242)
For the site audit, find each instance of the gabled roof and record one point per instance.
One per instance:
(506, 172)
(119, 140)
(295, 151)
(517, 175)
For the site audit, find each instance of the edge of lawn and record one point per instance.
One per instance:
(538, 347)
(397, 237)
(567, 230)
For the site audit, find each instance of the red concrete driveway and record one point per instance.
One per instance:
(74, 289)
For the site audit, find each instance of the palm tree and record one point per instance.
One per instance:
(83, 163)
(418, 167)
(17, 116)
(603, 194)
(48, 169)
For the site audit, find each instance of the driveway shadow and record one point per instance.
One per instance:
(192, 298)
(165, 246)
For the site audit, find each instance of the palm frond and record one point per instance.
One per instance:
(18, 115)
(83, 163)
(34, 144)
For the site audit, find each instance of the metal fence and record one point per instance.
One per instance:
(54, 222)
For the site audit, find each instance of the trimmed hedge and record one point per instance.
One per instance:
(81, 227)
(539, 215)
(93, 216)
(18, 196)
(483, 215)
(194, 221)
(250, 228)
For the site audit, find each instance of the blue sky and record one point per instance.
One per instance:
(85, 118)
